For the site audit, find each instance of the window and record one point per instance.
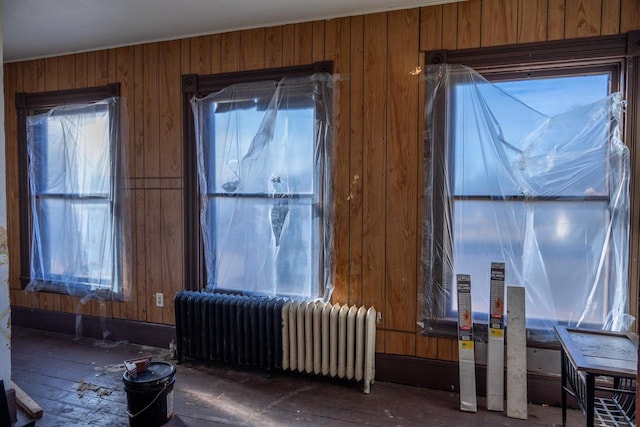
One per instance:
(262, 146)
(72, 169)
(529, 168)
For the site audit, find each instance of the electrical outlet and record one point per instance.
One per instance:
(159, 299)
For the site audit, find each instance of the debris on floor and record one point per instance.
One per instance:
(83, 387)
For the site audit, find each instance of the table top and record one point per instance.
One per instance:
(600, 352)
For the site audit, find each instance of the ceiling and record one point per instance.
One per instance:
(37, 28)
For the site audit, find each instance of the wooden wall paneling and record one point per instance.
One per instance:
(532, 21)
(230, 52)
(169, 100)
(170, 166)
(19, 298)
(403, 343)
(450, 26)
(151, 111)
(80, 60)
(252, 49)
(401, 178)
(139, 278)
(201, 55)
(288, 44)
(355, 161)
(426, 347)
(555, 19)
(582, 18)
(499, 22)
(374, 165)
(431, 27)
(419, 164)
(67, 72)
(318, 41)
(172, 250)
(10, 83)
(303, 43)
(455, 351)
(469, 24)
(380, 333)
(216, 53)
(138, 195)
(91, 68)
(185, 56)
(338, 50)
(273, 47)
(152, 197)
(610, 17)
(125, 60)
(153, 252)
(50, 76)
(102, 67)
(125, 63)
(445, 348)
(629, 15)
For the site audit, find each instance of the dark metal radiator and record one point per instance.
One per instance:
(232, 329)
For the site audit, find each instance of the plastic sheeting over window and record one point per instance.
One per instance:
(81, 227)
(264, 155)
(548, 195)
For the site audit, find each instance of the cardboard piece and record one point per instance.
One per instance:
(466, 359)
(495, 351)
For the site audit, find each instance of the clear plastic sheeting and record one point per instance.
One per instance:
(80, 206)
(548, 195)
(264, 156)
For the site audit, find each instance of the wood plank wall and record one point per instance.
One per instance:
(378, 140)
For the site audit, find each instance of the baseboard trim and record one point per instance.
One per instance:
(444, 375)
(151, 334)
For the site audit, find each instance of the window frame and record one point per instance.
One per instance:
(30, 104)
(200, 86)
(555, 58)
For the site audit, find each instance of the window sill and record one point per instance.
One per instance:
(79, 291)
(536, 338)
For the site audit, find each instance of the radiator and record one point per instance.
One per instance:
(237, 330)
(330, 340)
(276, 334)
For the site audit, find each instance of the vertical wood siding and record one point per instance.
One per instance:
(377, 140)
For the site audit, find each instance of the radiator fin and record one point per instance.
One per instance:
(330, 340)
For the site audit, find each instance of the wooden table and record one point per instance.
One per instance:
(587, 354)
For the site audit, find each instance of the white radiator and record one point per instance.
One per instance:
(331, 340)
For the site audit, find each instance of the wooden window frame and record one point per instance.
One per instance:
(547, 58)
(28, 104)
(202, 85)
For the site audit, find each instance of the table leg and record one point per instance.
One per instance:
(591, 382)
(563, 385)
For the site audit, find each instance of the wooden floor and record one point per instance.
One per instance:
(79, 383)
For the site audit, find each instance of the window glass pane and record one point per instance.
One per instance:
(283, 165)
(75, 241)
(511, 155)
(561, 259)
(263, 244)
(557, 95)
(553, 157)
(73, 152)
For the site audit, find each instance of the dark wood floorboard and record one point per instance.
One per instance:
(78, 382)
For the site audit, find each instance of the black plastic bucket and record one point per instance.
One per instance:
(150, 395)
